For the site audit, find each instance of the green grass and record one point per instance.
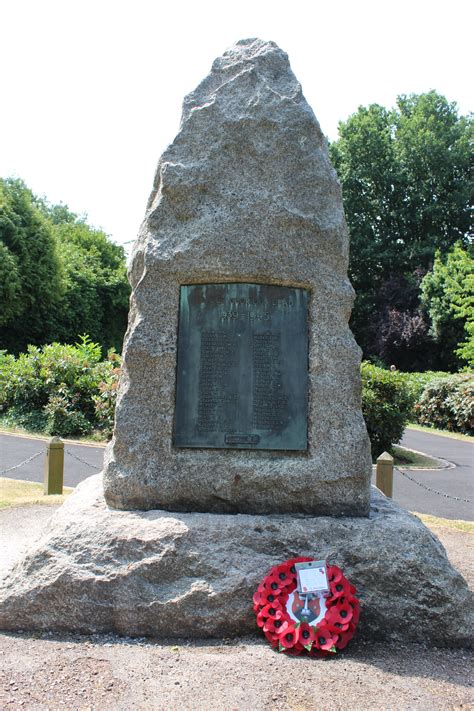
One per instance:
(456, 524)
(407, 458)
(444, 433)
(15, 492)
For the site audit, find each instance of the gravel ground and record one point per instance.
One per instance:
(45, 671)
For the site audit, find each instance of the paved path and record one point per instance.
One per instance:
(459, 452)
(458, 481)
(15, 449)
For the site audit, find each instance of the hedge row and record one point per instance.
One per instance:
(68, 390)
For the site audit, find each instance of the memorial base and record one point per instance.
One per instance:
(192, 575)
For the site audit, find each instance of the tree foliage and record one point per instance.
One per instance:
(30, 267)
(447, 293)
(96, 289)
(407, 190)
(60, 277)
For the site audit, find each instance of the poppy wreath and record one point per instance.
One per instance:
(335, 617)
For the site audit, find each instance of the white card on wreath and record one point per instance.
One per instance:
(312, 577)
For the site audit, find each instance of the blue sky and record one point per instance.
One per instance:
(92, 90)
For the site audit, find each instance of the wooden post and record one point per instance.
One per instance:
(384, 474)
(54, 467)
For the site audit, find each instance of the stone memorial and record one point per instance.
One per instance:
(244, 240)
(239, 440)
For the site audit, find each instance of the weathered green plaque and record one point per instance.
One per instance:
(242, 375)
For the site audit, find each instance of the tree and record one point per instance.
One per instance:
(407, 190)
(447, 294)
(29, 267)
(59, 277)
(96, 293)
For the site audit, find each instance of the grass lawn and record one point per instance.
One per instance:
(407, 458)
(444, 433)
(15, 492)
(457, 525)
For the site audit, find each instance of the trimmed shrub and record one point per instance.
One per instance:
(417, 382)
(386, 405)
(60, 389)
(448, 404)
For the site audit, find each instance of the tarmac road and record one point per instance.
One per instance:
(16, 448)
(456, 482)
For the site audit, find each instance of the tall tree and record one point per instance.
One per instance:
(407, 189)
(29, 267)
(96, 293)
(447, 294)
(59, 277)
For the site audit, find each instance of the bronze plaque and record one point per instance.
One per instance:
(242, 374)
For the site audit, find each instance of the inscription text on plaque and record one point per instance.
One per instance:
(242, 375)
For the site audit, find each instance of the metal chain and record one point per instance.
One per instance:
(79, 459)
(21, 464)
(428, 488)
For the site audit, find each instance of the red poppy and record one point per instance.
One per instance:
(294, 651)
(306, 634)
(261, 618)
(315, 652)
(291, 564)
(325, 638)
(345, 637)
(284, 576)
(340, 588)
(354, 603)
(336, 627)
(270, 596)
(273, 582)
(335, 574)
(340, 613)
(288, 637)
(271, 609)
(276, 624)
(256, 599)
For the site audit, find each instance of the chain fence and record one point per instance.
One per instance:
(4, 472)
(21, 464)
(430, 489)
(83, 461)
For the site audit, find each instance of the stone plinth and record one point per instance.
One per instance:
(192, 575)
(245, 193)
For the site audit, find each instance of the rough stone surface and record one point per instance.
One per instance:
(245, 193)
(97, 569)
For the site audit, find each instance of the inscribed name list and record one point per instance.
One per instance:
(242, 379)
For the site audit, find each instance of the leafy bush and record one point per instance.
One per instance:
(386, 405)
(448, 404)
(105, 400)
(417, 382)
(59, 389)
